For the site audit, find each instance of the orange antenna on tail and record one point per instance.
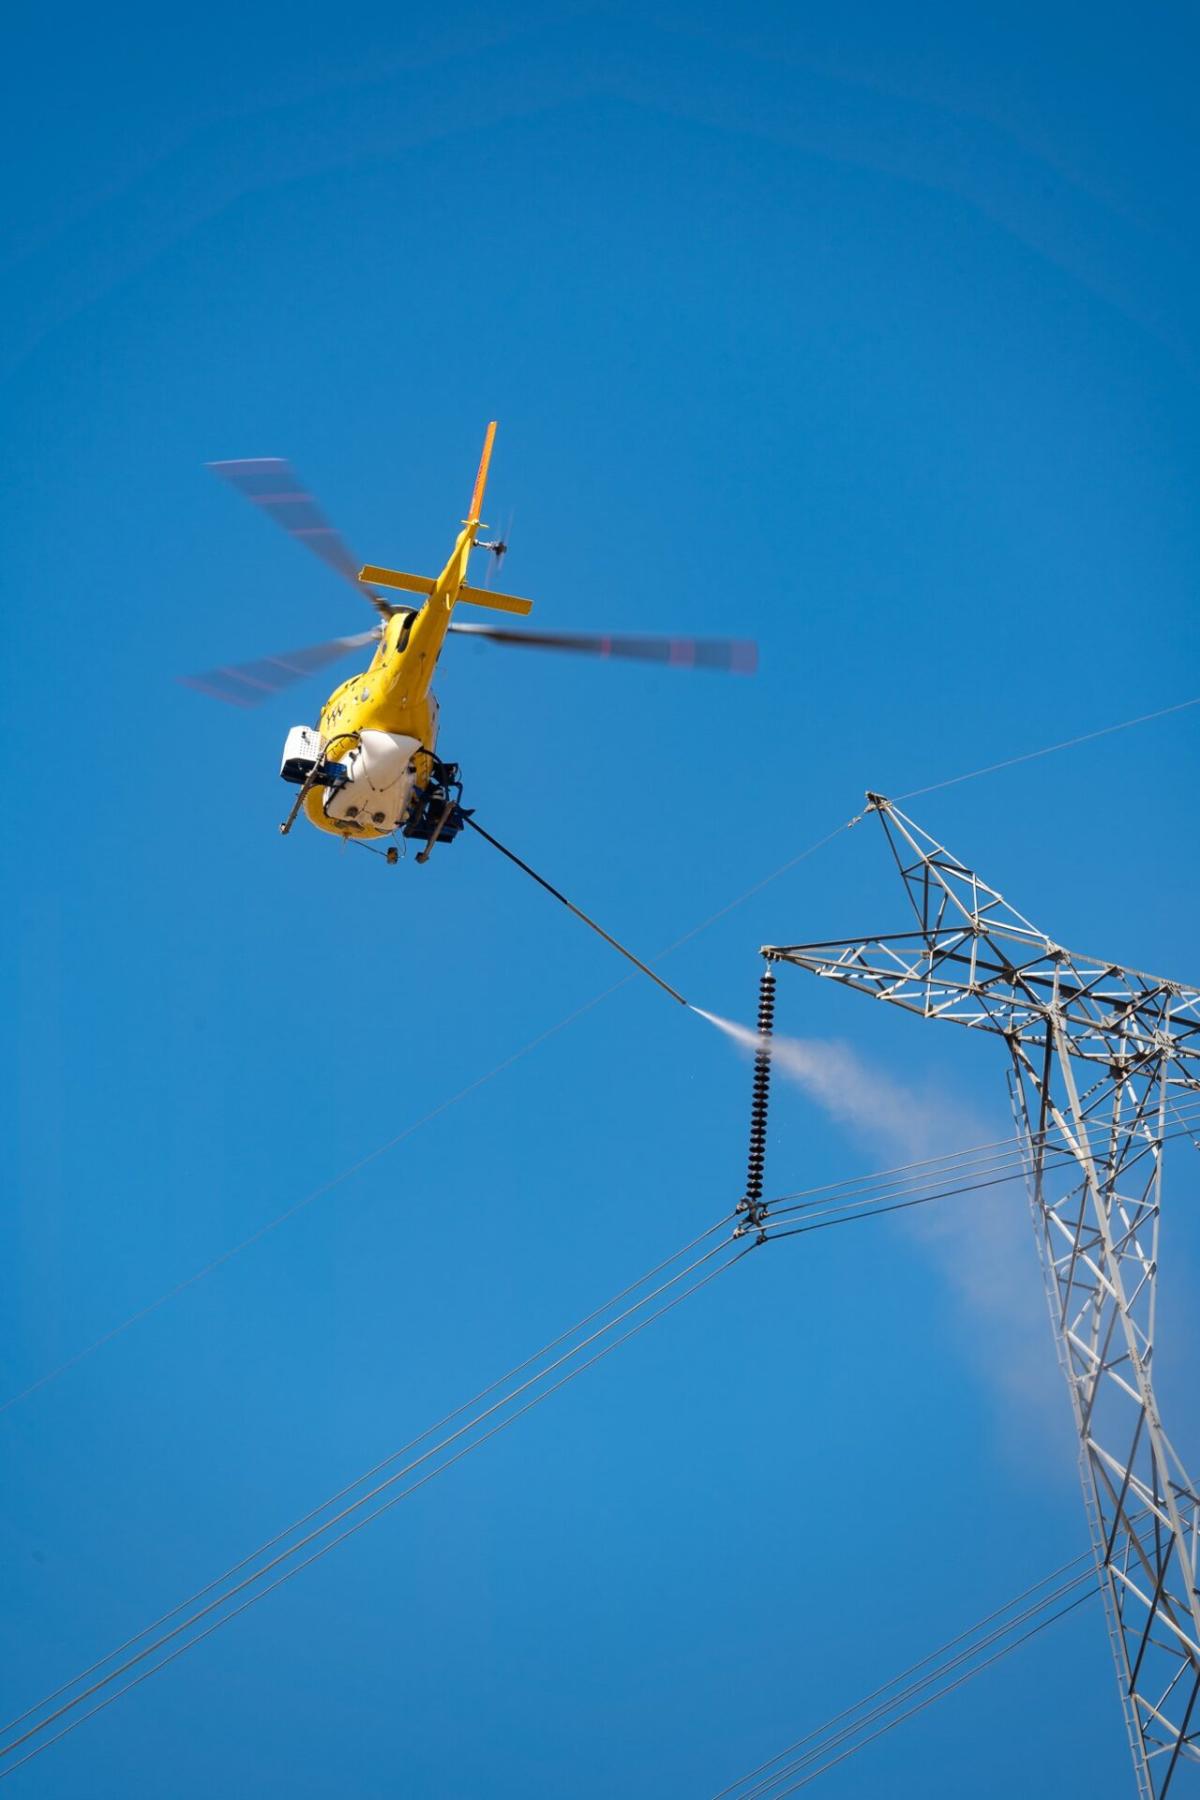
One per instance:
(476, 508)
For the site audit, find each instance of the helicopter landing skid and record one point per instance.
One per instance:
(438, 814)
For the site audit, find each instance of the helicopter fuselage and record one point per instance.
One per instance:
(381, 728)
(369, 766)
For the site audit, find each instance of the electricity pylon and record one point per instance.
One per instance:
(1101, 1054)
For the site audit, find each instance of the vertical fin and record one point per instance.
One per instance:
(476, 507)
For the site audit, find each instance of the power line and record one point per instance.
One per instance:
(313, 1537)
(931, 1699)
(946, 1667)
(1014, 1142)
(833, 1203)
(966, 1645)
(820, 1214)
(225, 1587)
(874, 1206)
(376, 1469)
(950, 1644)
(317, 1193)
(838, 1203)
(1085, 737)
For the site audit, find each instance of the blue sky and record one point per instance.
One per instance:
(869, 335)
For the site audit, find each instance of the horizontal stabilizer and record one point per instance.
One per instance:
(507, 603)
(396, 578)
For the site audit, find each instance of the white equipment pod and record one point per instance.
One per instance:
(301, 749)
(380, 774)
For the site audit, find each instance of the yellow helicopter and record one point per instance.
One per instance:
(368, 769)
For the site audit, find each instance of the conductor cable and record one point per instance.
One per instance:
(966, 1645)
(1055, 1146)
(1085, 737)
(930, 1699)
(320, 1532)
(386, 1462)
(875, 1206)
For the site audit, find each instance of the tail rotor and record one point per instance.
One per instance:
(498, 549)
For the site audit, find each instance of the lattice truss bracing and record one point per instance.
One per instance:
(1102, 1058)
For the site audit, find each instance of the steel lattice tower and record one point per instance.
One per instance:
(1100, 1055)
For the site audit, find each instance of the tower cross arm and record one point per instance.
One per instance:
(972, 959)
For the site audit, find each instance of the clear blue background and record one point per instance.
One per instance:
(866, 332)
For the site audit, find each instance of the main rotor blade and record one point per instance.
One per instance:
(271, 484)
(249, 683)
(734, 656)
